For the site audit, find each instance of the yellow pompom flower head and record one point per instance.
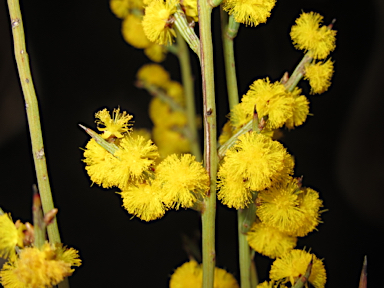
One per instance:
(292, 265)
(158, 21)
(115, 126)
(307, 35)
(249, 12)
(319, 75)
(10, 236)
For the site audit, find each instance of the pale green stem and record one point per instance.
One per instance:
(186, 75)
(210, 150)
(186, 31)
(292, 82)
(31, 106)
(229, 31)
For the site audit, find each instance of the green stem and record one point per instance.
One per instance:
(244, 252)
(229, 28)
(186, 31)
(186, 75)
(210, 150)
(32, 109)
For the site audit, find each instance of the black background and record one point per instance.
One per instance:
(80, 64)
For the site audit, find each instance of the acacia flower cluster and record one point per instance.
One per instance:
(148, 189)
(190, 274)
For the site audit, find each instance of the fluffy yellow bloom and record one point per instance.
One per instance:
(307, 35)
(143, 201)
(270, 99)
(183, 181)
(156, 52)
(136, 156)
(294, 264)
(120, 7)
(115, 126)
(190, 9)
(300, 110)
(319, 76)
(226, 133)
(153, 74)
(162, 115)
(249, 12)
(10, 236)
(37, 268)
(100, 164)
(257, 159)
(190, 275)
(157, 23)
(290, 209)
(169, 141)
(232, 189)
(270, 241)
(133, 32)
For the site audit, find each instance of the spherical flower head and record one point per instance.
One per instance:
(319, 75)
(292, 265)
(188, 275)
(162, 115)
(156, 52)
(176, 91)
(270, 100)
(36, 268)
(232, 189)
(249, 12)
(136, 157)
(257, 159)
(116, 126)
(10, 236)
(279, 207)
(143, 201)
(100, 164)
(270, 241)
(133, 32)
(157, 21)
(300, 110)
(183, 179)
(120, 7)
(170, 141)
(153, 74)
(307, 35)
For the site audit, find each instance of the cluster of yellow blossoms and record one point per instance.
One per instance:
(148, 189)
(32, 267)
(166, 110)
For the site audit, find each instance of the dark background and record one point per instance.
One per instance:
(80, 64)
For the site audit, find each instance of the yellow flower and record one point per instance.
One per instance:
(10, 236)
(153, 74)
(115, 126)
(156, 52)
(184, 181)
(162, 115)
(190, 275)
(157, 23)
(37, 268)
(190, 9)
(270, 241)
(176, 91)
(270, 99)
(100, 164)
(143, 201)
(169, 141)
(319, 76)
(308, 35)
(249, 12)
(145, 133)
(133, 32)
(257, 159)
(300, 109)
(294, 264)
(226, 133)
(135, 157)
(290, 209)
(120, 7)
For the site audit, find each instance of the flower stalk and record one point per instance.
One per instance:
(32, 109)
(210, 150)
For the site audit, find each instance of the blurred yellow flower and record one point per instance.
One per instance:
(153, 74)
(133, 32)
